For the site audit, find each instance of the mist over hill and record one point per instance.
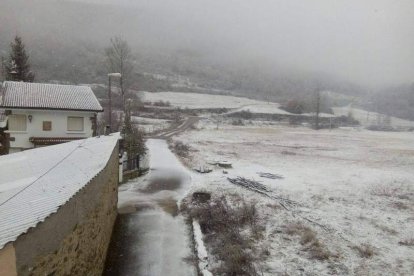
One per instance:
(275, 50)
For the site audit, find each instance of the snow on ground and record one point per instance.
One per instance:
(367, 118)
(205, 101)
(150, 125)
(358, 184)
(201, 250)
(196, 100)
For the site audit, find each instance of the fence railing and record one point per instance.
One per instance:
(139, 162)
(131, 164)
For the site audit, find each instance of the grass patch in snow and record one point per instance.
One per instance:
(230, 229)
(309, 241)
(393, 191)
(365, 250)
(407, 242)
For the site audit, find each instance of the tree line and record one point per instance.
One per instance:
(118, 59)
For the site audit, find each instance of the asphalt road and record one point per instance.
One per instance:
(188, 123)
(150, 236)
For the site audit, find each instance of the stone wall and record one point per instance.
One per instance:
(75, 239)
(7, 261)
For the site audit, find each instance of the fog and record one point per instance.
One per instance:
(370, 41)
(367, 42)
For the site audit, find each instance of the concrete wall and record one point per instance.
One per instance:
(74, 240)
(59, 127)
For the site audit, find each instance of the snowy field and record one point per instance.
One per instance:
(353, 188)
(205, 101)
(150, 125)
(370, 118)
(195, 100)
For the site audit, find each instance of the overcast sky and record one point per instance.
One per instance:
(369, 41)
(366, 41)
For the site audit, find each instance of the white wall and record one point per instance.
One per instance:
(59, 127)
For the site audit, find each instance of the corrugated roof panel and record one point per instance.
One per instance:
(35, 183)
(48, 96)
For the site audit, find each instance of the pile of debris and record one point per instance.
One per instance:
(249, 184)
(258, 187)
(222, 164)
(270, 175)
(203, 169)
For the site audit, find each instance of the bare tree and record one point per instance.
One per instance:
(119, 59)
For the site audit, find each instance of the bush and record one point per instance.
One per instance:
(380, 128)
(181, 149)
(244, 114)
(238, 122)
(222, 225)
(161, 103)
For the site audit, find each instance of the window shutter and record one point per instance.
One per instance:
(75, 123)
(17, 122)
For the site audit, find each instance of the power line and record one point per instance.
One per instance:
(54, 166)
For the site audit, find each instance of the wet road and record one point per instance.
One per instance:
(150, 237)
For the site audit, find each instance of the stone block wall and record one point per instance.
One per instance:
(75, 239)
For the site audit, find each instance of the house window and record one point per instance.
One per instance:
(75, 123)
(17, 122)
(47, 125)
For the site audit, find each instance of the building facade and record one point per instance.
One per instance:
(37, 114)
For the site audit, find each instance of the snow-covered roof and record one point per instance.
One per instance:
(25, 95)
(35, 183)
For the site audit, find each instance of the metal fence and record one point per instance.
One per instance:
(139, 162)
(131, 164)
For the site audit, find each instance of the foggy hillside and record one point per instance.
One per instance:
(276, 50)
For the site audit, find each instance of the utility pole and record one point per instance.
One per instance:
(122, 93)
(3, 74)
(117, 75)
(110, 103)
(318, 100)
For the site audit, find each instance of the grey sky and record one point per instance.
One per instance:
(369, 41)
(366, 41)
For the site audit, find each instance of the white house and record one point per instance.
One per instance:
(37, 114)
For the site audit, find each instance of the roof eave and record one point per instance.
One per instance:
(50, 108)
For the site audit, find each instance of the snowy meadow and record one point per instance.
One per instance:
(350, 194)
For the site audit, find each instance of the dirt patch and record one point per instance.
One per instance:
(201, 197)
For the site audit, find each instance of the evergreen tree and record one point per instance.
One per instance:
(134, 143)
(18, 67)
